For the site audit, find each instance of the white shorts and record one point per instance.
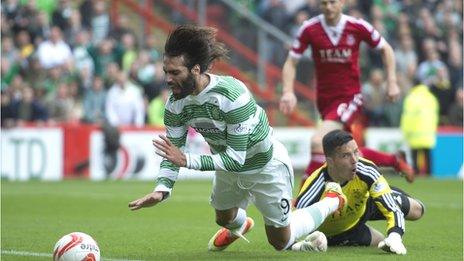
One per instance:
(270, 189)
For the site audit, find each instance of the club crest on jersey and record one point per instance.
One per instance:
(379, 186)
(215, 113)
(350, 40)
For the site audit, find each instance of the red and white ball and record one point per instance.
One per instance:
(76, 246)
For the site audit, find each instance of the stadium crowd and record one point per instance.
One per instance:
(66, 61)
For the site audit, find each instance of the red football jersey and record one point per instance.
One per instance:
(335, 50)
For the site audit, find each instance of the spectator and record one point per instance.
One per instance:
(25, 46)
(61, 104)
(54, 52)
(455, 112)
(407, 65)
(145, 72)
(100, 22)
(86, 11)
(75, 26)
(8, 114)
(120, 28)
(61, 15)
(103, 54)
(124, 103)
(129, 51)
(156, 109)
(276, 15)
(55, 76)
(30, 109)
(434, 73)
(41, 29)
(83, 62)
(94, 102)
(9, 50)
(374, 92)
(150, 44)
(8, 72)
(419, 126)
(310, 7)
(455, 58)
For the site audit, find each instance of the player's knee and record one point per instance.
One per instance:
(278, 244)
(417, 210)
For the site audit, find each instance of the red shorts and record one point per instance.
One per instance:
(342, 109)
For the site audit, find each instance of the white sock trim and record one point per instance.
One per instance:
(239, 221)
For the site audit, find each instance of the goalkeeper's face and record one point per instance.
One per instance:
(344, 160)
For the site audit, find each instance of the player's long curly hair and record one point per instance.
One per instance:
(197, 44)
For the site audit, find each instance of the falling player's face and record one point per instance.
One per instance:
(344, 161)
(332, 10)
(179, 78)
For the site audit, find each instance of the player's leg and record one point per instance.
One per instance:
(273, 196)
(301, 223)
(317, 153)
(376, 236)
(360, 235)
(230, 205)
(413, 209)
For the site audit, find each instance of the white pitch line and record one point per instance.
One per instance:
(25, 253)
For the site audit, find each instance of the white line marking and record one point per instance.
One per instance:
(25, 253)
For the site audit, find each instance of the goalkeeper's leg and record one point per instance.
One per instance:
(413, 209)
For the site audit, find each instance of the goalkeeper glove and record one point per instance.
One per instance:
(393, 243)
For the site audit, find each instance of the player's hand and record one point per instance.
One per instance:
(393, 91)
(287, 102)
(148, 200)
(169, 151)
(393, 243)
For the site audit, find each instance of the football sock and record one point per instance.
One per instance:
(379, 158)
(238, 224)
(305, 220)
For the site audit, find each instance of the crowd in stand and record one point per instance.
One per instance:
(66, 61)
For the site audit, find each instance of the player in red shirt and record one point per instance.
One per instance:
(335, 39)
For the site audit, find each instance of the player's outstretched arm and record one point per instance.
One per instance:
(148, 200)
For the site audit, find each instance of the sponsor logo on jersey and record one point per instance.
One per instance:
(341, 55)
(241, 129)
(207, 130)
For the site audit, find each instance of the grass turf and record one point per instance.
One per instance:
(36, 214)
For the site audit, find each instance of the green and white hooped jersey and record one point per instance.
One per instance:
(227, 116)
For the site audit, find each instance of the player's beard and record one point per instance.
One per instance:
(186, 87)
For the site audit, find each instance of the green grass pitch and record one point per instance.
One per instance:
(34, 215)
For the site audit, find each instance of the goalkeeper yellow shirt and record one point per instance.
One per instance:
(368, 182)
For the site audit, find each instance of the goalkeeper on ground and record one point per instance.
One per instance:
(369, 198)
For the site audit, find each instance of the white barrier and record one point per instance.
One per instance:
(32, 153)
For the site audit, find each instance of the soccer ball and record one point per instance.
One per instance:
(76, 246)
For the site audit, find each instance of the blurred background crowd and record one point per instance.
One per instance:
(70, 61)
